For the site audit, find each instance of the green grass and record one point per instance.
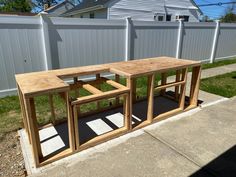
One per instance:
(10, 114)
(219, 63)
(224, 85)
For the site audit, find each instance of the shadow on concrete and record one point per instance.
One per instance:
(107, 121)
(224, 165)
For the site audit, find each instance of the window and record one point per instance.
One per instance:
(185, 18)
(168, 18)
(91, 15)
(159, 17)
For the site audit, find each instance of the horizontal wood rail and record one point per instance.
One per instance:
(91, 89)
(99, 96)
(172, 84)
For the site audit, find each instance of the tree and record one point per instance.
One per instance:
(41, 3)
(15, 6)
(230, 14)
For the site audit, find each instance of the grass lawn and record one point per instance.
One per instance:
(10, 114)
(224, 85)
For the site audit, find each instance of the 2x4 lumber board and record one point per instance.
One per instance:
(117, 79)
(70, 123)
(195, 84)
(115, 84)
(92, 89)
(53, 115)
(48, 160)
(75, 112)
(33, 130)
(76, 90)
(168, 114)
(183, 89)
(163, 82)
(150, 94)
(23, 114)
(80, 83)
(100, 96)
(103, 138)
(98, 77)
(126, 112)
(177, 79)
(172, 84)
(129, 82)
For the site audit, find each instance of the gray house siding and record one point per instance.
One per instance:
(102, 14)
(146, 10)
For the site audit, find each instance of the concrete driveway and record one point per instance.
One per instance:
(199, 143)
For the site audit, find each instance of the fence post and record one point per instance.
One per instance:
(127, 39)
(46, 42)
(179, 39)
(215, 41)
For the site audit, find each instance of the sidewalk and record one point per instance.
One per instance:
(200, 142)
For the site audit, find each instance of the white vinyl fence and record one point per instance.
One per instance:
(39, 43)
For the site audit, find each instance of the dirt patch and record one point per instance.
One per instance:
(12, 162)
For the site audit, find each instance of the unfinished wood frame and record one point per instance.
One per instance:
(50, 82)
(32, 129)
(178, 83)
(96, 96)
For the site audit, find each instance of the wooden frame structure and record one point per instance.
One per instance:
(35, 84)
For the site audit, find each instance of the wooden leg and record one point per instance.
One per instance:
(70, 123)
(98, 76)
(33, 129)
(75, 112)
(117, 79)
(126, 108)
(150, 95)
(129, 82)
(177, 79)
(163, 82)
(76, 90)
(134, 94)
(23, 113)
(52, 109)
(195, 84)
(183, 89)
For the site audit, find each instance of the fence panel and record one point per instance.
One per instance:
(150, 39)
(226, 46)
(80, 42)
(197, 40)
(20, 48)
(33, 43)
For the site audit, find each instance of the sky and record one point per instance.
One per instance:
(214, 12)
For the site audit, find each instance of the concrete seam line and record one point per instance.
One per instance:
(210, 171)
(214, 102)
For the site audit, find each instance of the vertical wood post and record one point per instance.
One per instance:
(127, 39)
(195, 84)
(215, 41)
(129, 83)
(150, 95)
(46, 42)
(117, 79)
(179, 39)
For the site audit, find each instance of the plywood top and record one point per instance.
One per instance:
(38, 83)
(147, 66)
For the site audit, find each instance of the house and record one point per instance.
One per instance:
(58, 9)
(147, 10)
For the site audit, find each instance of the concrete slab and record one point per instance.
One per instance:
(139, 156)
(204, 136)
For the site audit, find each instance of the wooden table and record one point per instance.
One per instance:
(35, 84)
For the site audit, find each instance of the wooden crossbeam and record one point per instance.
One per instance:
(172, 84)
(99, 96)
(91, 89)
